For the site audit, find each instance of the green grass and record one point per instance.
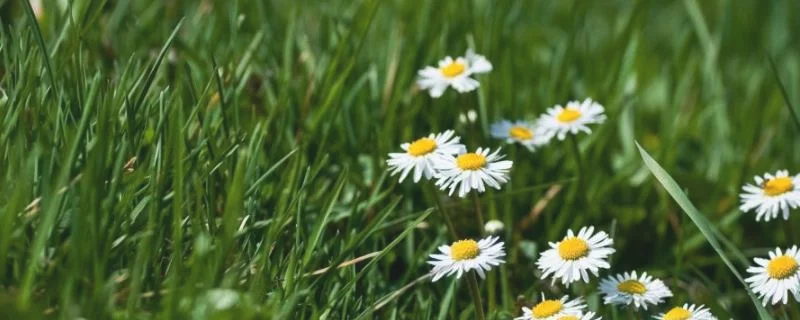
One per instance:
(210, 159)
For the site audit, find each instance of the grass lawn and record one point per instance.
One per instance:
(228, 159)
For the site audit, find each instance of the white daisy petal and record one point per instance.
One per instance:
(629, 289)
(554, 309)
(558, 121)
(527, 134)
(453, 73)
(471, 171)
(570, 258)
(775, 278)
(687, 312)
(586, 316)
(420, 155)
(465, 255)
(771, 196)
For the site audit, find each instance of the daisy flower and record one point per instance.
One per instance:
(470, 171)
(422, 153)
(771, 195)
(628, 288)
(574, 118)
(555, 309)
(453, 73)
(687, 312)
(465, 255)
(522, 132)
(775, 277)
(570, 258)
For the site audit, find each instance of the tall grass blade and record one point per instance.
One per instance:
(784, 93)
(700, 221)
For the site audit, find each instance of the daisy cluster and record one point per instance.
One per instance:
(442, 157)
(556, 123)
(776, 278)
(578, 256)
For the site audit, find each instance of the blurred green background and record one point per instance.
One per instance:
(169, 190)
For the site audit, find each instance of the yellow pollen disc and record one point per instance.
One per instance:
(782, 267)
(547, 308)
(573, 248)
(453, 69)
(678, 313)
(632, 287)
(569, 115)
(778, 186)
(422, 147)
(471, 161)
(568, 318)
(520, 133)
(464, 249)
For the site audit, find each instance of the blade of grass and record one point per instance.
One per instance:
(40, 41)
(699, 220)
(266, 174)
(324, 217)
(784, 93)
(151, 73)
(52, 204)
(386, 250)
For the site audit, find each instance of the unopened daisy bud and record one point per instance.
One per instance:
(38, 9)
(468, 117)
(493, 227)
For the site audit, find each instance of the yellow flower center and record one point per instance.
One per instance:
(569, 318)
(453, 69)
(471, 161)
(569, 115)
(546, 308)
(678, 313)
(778, 186)
(464, 249)
(520, 133)
(632, 287)
(422, 147)
(782, 267)
(573, 248)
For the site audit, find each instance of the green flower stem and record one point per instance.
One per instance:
(440, 208)
(472, 283)
(577, 154)
(478, 211)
